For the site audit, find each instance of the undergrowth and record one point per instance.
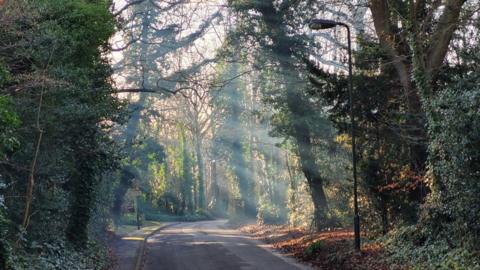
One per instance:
(412, 246)
(59, 256)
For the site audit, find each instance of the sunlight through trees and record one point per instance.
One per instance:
(125, 113)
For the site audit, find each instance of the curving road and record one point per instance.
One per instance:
(209, 245)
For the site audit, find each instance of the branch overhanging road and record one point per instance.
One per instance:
(210, 245)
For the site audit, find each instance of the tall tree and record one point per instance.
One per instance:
(60, 84)
(417, 36)
(287, 50)
(232, 136)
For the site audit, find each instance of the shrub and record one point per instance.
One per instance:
(269, 214)
(314, 248)
(410, 245)
(453, 210)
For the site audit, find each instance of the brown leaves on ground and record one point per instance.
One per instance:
(333, 249)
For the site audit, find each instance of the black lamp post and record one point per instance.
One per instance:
(319, 24)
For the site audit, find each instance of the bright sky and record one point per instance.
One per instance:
(189, 16)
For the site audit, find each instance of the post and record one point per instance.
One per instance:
(318, 24)
(356, 218)
(136, 210)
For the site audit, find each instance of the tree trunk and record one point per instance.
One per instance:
(82, 199)
(31, 178)
(237, 159)
(309, 167)
(299, 109)
(319, 202)
(215, 188)
(252, 179)
(429, 49)
(126, 178)
(315, 181)
(292, 199)
(239, 169)
(201, 172)
(302, 134)
(195, 194)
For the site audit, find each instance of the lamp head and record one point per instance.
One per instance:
(318, 24)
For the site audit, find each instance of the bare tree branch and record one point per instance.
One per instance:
(442, 36)
(136, 2)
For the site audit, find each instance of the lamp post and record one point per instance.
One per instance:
(319, 24)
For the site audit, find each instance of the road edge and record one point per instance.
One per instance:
(141, 248)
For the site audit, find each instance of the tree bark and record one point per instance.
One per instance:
(201, 172)
(440, 40)
(302, 135)
(426, 57)
(83, 182)
(31, 178)
(314, 179)
(215, 188)
(292, 199)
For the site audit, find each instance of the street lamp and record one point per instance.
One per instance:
(319, 24)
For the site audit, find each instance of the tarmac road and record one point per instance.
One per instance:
(210, 245)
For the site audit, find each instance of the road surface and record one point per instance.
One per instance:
(209, 245)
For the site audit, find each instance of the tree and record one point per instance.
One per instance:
(186, 177)
(425, 37)
(56, 78)
(230, 137)
(394, 188)
(287, 49)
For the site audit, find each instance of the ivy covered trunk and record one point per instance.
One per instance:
(83, 181)
(454, 159)
(126, 179)
(201, 172)
(77, 231)
(187, 185)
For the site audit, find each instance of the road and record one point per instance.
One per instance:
(210, 245)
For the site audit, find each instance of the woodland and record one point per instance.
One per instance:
(117, 113)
